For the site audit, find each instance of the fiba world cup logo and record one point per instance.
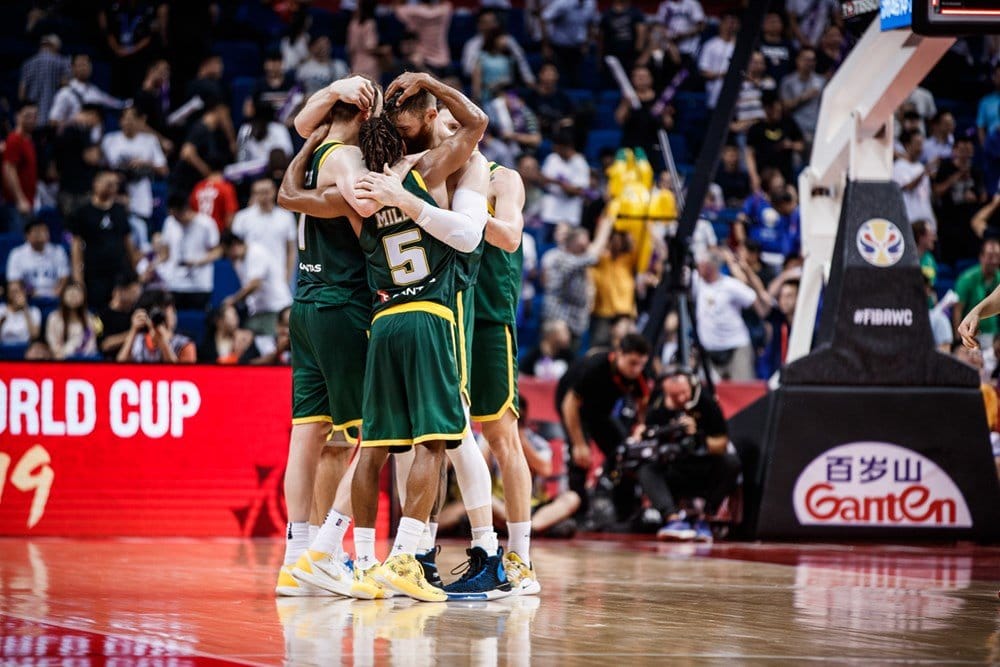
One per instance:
(880, 242)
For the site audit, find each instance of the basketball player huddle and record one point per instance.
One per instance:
(403, 333)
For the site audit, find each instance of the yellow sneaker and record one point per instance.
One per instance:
(325, 571)
(404, 574)
(288, 586)
(365, 587)
(521, 576)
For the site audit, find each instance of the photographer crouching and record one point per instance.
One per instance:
(683, 452)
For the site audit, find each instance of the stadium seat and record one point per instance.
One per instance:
(942, 286)
(679, 147)
(191, 323)
(517, 27)
(461, 30)
(599, 139)
(580, 96)
(226, 281)
(240, 59)
(945, 272)
(964, 264)
(12, 352)
(322, 22)
(8, 242)
(612, 97)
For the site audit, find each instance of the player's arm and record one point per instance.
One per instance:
(355, 90)
(445, 159)
(292, 196)
(460, 228)
(504, 229)
(968, 329)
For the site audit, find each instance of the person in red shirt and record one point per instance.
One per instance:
(20, 168)
(216, 197)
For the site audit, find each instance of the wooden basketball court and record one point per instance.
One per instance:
(194, 602)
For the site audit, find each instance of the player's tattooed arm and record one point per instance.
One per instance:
(504, 229)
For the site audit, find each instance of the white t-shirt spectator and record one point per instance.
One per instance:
(14, 328)
(313, 74)
(714, 58)
(917, 200)
(188, 243)
(793, 87)
(250, 148)
(935, 149)
(272, 230)
(681, 17)
(69, 100)
(273, 294)
(39, 272)
(557, 206)
(719, 310)
(119, 151)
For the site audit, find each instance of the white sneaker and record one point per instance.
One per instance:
(326, 571)
(288, 586)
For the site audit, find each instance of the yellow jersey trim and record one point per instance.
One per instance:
(328, 148)
(418, 306)
(508, 404)
(463, 361)
(408, 442)
(312, 420)
(420, 180)
(346, 425)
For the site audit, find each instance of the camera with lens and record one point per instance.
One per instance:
(663, 443)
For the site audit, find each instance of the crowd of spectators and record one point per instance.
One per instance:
(143, 144)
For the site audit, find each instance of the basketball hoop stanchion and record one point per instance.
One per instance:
(871, 432)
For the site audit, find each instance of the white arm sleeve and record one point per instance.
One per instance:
(461, 228)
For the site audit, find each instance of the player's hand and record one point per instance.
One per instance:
(969, 329)
(385, 187)
(581, 456)
(410, 83)
(355, 90)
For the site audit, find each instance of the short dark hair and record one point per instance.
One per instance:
(177, 201)
(912, 115)
(634, 343)
(33, 222)
(125, 278)
(794, 282)
(229, 238)
(24, 104)
(415, 104)
(906, 136)
(155, 298)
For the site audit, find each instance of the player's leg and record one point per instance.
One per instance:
(364, 502)
(334, 460)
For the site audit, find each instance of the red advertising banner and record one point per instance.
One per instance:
(114, 449)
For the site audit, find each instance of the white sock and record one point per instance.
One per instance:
(297, 541)
(330, 539)
(519, 539)
(364, 546)
(432, 528)
(407, 537)
(313, 532)
(427, 539)
(486, 537)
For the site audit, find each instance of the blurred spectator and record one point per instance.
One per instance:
(974, 284)
(801, 90)
(774, 142)
(429, 20)
(320, 68)
(102, 240)
(640, 126)
(749, 254)
(206, 146)
(685, 20)
(295, 42)
(40, 268)
(614, 286)
(495, 149)
(750, 103)
(72, 97)
(260, 135)
(777, 50)
(661, 57)
(138, 157)
(42, 74)
(215, 197)
(77, 156)
(152, 338)
(923, 103)
(565, 279)
(186, 254)
(487, 26)
(759, 208)
(262, 282)
(38, 351)
(567, 176)
(70, 330)
(567, 30)
(779, 326)
(152, 102)
(809, 19)
(225, 342)
(281, 354)
(623, 33)
(19, 323)
(732, 178)
(720, 300)
(552, 356)
(263, 223)
(959, 192)
(214, 94)
(925, 239)
(404, 58)
(115, 318)
(494, 70)
(20, 168)
(548, 100)
(534, 188)
(362, 40)
(129, 28)
(713, 60)
(273, 88)
(831, 51)
(914, 179)
(908, 120)
(515, 122)
(941, 142)
(940, 325)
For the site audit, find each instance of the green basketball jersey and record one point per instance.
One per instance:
(331, 264)
(405, 263)
(498, 292)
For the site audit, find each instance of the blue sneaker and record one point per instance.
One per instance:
(428, 561)
(703, 532)
(677, 530)
(485, 577)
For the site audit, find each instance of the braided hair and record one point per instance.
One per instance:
(380, 142)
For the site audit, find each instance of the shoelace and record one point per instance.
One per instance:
(470, 567)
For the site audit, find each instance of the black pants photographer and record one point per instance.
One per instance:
(700, 464)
